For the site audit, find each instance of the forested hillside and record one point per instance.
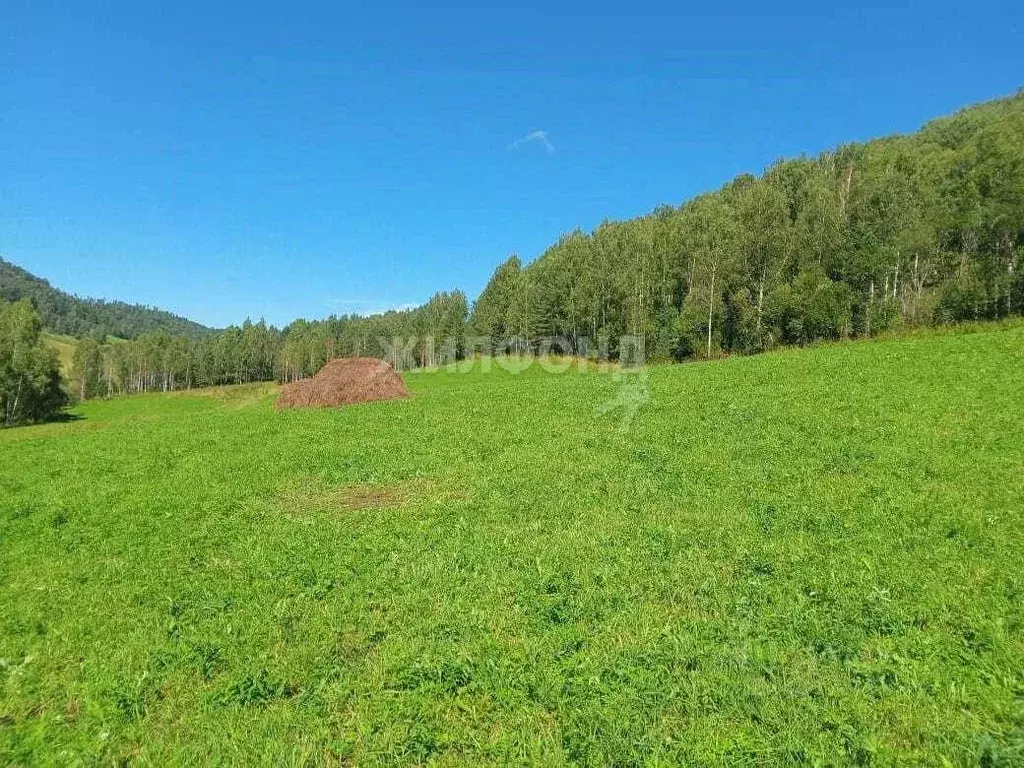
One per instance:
(910, 230)
(63, 313)
(915, 230)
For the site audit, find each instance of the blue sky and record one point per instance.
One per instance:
(298, 159)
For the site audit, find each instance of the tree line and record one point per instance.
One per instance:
(910, 230)
(424, 336)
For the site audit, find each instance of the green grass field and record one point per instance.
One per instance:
(809, 556)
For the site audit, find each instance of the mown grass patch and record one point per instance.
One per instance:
(313, 495)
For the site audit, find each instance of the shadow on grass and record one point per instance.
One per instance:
(63, 417)
(58, 418)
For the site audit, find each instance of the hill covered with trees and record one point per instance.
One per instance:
(70, 315)
(907, 230)
(904, 231)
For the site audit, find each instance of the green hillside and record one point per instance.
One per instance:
(64, 314)
(810, 556)
(65, 346)
(918, 229)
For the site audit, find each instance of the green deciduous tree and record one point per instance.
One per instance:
(30, 386)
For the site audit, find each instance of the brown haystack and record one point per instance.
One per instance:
(344, 381)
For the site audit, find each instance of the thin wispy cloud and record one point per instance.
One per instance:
(534, 137)
(367, 307)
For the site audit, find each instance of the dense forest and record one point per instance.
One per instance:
(910, 230)
(63, 313)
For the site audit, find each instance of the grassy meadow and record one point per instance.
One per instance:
(811, 556)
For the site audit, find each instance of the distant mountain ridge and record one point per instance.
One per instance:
(64, 313)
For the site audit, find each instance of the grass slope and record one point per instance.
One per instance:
(65, 346)
(812, 556)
